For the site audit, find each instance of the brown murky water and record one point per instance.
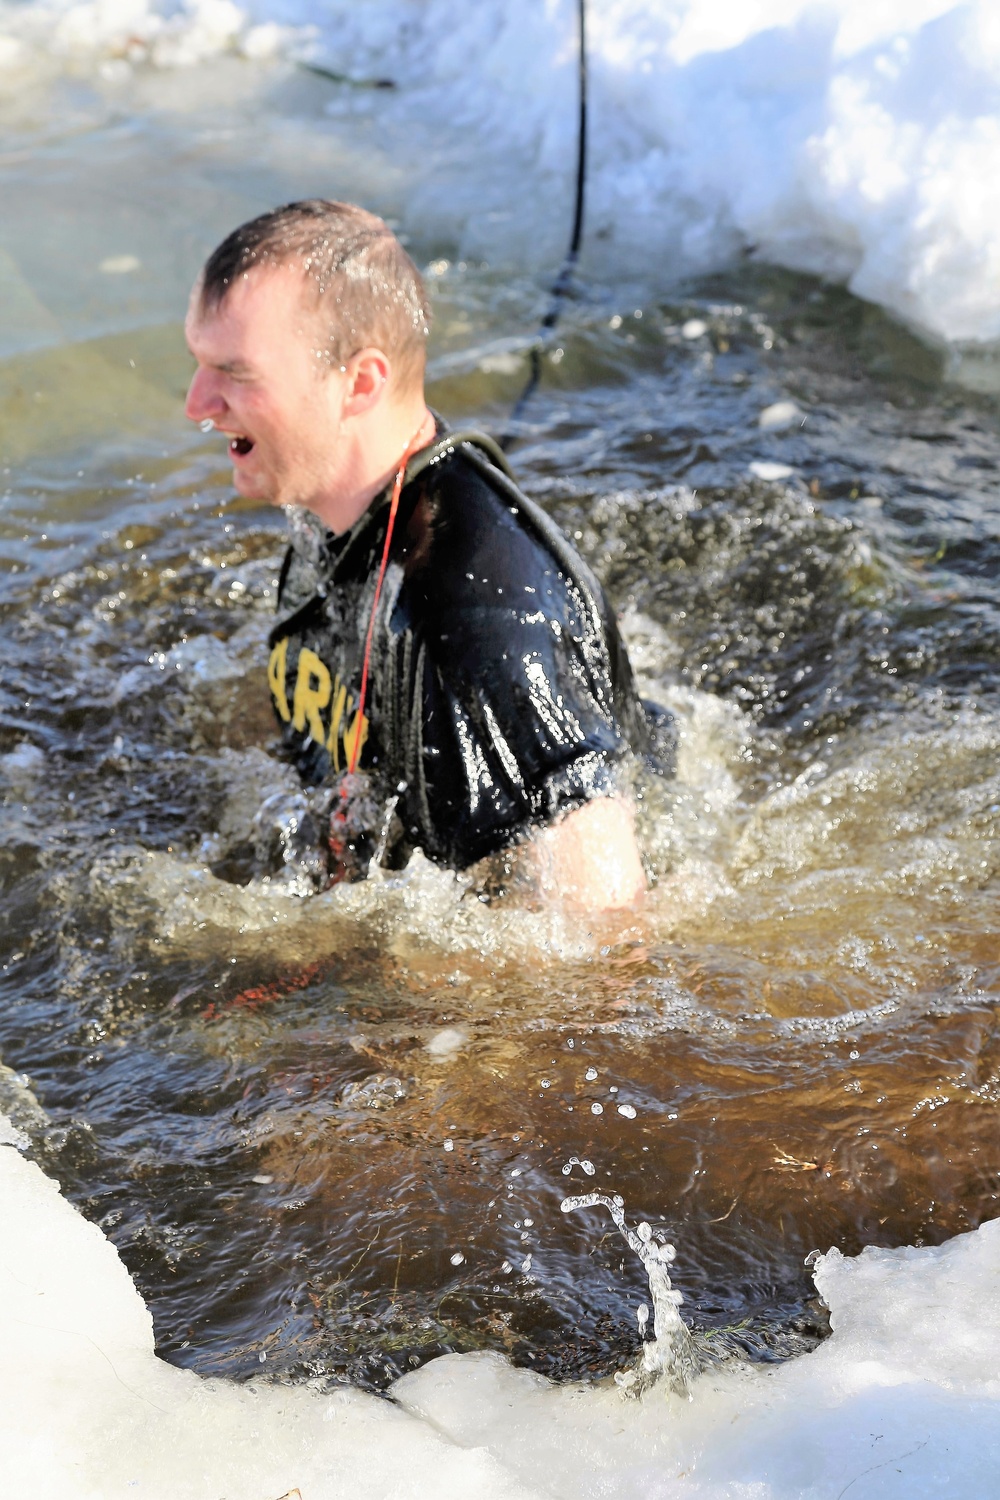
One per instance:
(330, 1134)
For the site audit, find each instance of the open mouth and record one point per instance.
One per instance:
(240, 445)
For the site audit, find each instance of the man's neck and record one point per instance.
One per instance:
(371, 458)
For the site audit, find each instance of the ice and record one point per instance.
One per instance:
(780, 416)
(447, 1043)
(771, 473)
(903, 1400)
(851, 140)
(89, 1412)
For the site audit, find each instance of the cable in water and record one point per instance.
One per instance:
(562, 285)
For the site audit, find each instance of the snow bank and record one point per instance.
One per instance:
(850, 139)
(903, 1400)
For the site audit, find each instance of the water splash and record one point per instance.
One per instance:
(670, 1353)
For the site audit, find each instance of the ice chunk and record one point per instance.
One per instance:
(447, 1043)
(770, 472)
(780, 416)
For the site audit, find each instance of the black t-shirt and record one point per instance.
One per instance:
(499, 689)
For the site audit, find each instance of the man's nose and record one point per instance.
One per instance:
(204, 399)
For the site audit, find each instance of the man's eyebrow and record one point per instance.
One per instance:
(233, 366)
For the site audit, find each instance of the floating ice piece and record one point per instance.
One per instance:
(762, 469)
(780, 416)
(119, 265)
(24, 761)
(447, 1043)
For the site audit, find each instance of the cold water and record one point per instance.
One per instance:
(330, 1133)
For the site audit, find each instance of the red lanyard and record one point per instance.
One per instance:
(414, 446)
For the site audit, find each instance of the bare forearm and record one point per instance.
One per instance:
(589, 859)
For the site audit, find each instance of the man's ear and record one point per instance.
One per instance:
(368, 374)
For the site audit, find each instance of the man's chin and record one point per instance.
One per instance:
(251, 486)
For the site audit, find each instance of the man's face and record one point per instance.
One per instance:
(262, 383)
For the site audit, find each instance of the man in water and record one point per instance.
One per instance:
(445, 663)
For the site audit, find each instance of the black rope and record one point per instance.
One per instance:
(562, 285)
(355, 83)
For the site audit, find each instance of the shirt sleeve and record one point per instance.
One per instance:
(512, 689)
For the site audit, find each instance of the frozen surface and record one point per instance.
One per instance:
(902, 1400)
(853, 140)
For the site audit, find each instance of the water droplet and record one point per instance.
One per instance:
(207, 425)
(546, 1083)
(590, 1074)
(588, 1167)
(628, 1110)
(263, 1179)
(528, 1223)
(458, 1258)
(506, 1268)
(526, 1263)
(262, 1356)
(448, 1145)
(597, 1109)
(516, 1172)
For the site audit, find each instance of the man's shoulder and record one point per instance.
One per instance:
(471, 535)
(471, 494)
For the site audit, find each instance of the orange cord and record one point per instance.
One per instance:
(413, 447)
(337, 837)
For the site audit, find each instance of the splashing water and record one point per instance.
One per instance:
(670, 1353)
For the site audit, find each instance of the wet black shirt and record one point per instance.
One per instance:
(499, 691)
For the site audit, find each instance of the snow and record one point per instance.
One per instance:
(850, 139)
(902, 1400)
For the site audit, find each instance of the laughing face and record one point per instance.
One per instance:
(263, 381)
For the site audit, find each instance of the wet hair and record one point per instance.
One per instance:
(367, 291)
